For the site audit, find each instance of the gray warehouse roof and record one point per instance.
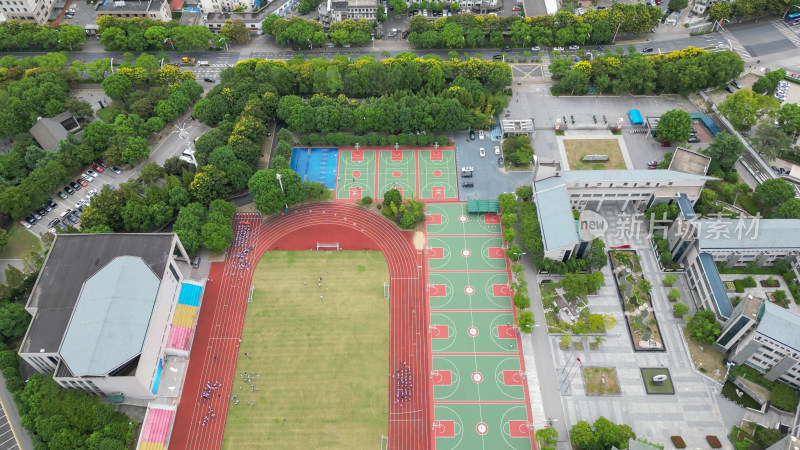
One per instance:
(780, 325)
(555, 214)
(110, 320)
(73, 259)
(736, 234)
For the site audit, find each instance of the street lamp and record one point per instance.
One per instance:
(278, 176)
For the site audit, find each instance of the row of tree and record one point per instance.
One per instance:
(373, 139)
(211, 227)
(140, 34)
(518, 150)
(682, 72)
(297, 31)
(749, 8)
(509, 208)
(16, 36)
(406, 213)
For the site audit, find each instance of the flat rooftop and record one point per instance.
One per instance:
(73, 259)
(687, 161)
(128, 5)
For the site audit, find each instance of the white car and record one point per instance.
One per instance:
(535, 49)
(574, 47)
(91, 193)
(480, 134)
(80, 203)
(483, 152)
(496, 150)
(467, 169)
(559, 49)
(87, 177)
(203, 63)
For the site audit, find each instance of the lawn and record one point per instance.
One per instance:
(729, 391)
(322, 363)
(706, 359)
(593, 381)
(20, 242)
(650, 386)
(578, 148)
(110, 112)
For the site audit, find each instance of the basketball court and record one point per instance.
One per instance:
(429, 175)
(397, 169)
(356, 175)
(466, 253)
(479, 383)
(437, 175)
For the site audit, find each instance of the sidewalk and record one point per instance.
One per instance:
(21, 434)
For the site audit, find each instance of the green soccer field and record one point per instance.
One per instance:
(322, 363)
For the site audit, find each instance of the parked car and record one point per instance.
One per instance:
(736, 84)
(110, 187)
(62, 195)
(97, 168)
(82, 182)
(47, 207)
(36, 215)
(480, 134)
(42, 211)
(115, 170)
(472, 135)
(51, 203)
(516, 8)
(647, 50)
(574, 47)
(467, 184)
(496, 149)
(75, 185)
(482, 152)
(208, 79)
(693, 140)
(652, 165)
(560, 49)
(536, 48)
(92, 173)
(30, 220)
(500, 162)
(467, 169)
(729, 89)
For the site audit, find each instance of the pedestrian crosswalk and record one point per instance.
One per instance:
(735, 45)
(791, 33)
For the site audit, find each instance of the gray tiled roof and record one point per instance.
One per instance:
(780, 325)
(555, 214)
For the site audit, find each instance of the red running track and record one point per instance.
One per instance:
(215, 347)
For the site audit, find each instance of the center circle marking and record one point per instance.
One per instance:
(466, 252)
(462, 219)
(356, 173)
(472, 331)
(482, 428)
(469, 290)
(396, 173)
(437, 173)
(477, 377)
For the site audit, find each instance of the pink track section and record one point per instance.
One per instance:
(157, 425)
(215, 349)
(179, 337)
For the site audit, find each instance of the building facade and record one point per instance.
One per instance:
(337, 11)
(773, 347)
(101, 308)
(148, 9)
(38, 11)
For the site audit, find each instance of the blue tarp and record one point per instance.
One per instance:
(712, 127)
(192, 9)
(636, 117)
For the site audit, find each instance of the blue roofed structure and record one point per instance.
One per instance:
(685, 206)
(721, 301)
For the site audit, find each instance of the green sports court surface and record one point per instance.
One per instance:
(479, 383)
(452, 218)
(427, 174)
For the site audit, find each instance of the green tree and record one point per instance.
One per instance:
(575, 82)
(3, 238)
(674, 294)
(525, 321)
(392, 197)
(790, 209)
(789, 118)
(610, 434)
(679, 309)
(117, 86)
(637, 74)
(669, 279)
(720, 11)
(136, 150)
(583, 436)
(744, 108)
(675, 125)
(268, 195)
(547, 438)
(597, 254)
(770, 140)
(774, 192)
(235, 31)
(725, 150)
(703, 327)
(14, 320)
(514, 252)
(678, 5)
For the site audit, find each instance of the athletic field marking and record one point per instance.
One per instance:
(440, 332)
(443, 378)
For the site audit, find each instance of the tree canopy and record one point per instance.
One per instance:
(703, 327)
(744, 108)
(724, 151)
(674, 126)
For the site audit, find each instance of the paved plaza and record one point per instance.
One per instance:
(695, 411)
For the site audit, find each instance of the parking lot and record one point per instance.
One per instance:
(489, 180)
(8, 441)
(107, 177)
